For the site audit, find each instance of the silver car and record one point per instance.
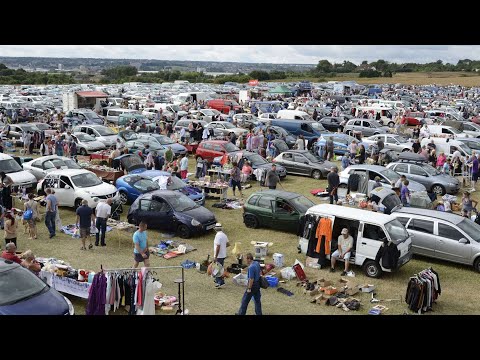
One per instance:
(227, 128)
(442, 235)
(41, 166)
(87, 144)
(391, 141)
(101, 133)
(367, 127)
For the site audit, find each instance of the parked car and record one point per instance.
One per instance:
(132, 186)
(414, 118)
(176, 184)
(14, 171)
(471, 129)
(86, 144)
(367, 127)
(72, 186)
(134, 146)
(226, 128)
(49, 131)
(246, 120)
(16, 131)
(388, 177)
(280, 133)
(425, 174)
(210, 149)
(302, 162)
(280, 210)
(340, 145)
(332, 123)
(85, 116)
(165, 142)
(391, 141)
(41, 166)
(101, 133)
(257, 162)
(442, 235)
(24, 293)
(171, 211)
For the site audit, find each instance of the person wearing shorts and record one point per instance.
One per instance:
(345, 244)
(140, 250)
(85, 218)
(236, 176)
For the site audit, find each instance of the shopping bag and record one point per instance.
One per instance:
(76, 233)
(93, 229)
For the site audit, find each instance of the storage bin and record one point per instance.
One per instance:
(272, 281)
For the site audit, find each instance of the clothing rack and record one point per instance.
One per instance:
(177, 281)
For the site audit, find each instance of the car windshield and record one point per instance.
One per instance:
(430, 170)
(391, 175)
(465, 148)
(84, 137)
(19, 284)
(164, 140)
(175, 108)
(174, 183)
(90, 115)
(145, 185)
(105, 131)
(397, 231)
(153, 145)
(129, 135)
(471, 228)
(302, 204)
(310, 157)
(31, 128)
(256, 159)
(86, 180)
(230, 147)
(42, 126)
(71, 164)
(9, 166)
(208, 112)
(182, 203)
(317, 126)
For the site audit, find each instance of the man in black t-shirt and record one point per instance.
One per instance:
(85, 218)
(416, 146)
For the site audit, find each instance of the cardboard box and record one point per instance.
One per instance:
(323, 282)
(352, 290)
(313, 292)
(367, 288)
(312, 263)
(330, 290)
(261, 249)
(321, 299)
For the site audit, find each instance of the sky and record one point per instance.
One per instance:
(279, 54)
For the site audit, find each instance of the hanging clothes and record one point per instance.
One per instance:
(388, 254)
(96, 295)
(422, 291)
(324, 228)
(151, 288)
(353, 183)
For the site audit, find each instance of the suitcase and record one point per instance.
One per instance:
(299, 272)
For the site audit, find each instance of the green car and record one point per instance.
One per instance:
(280, 210)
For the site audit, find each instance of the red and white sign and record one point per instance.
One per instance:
(253, 82)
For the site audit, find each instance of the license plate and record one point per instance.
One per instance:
(209, 227)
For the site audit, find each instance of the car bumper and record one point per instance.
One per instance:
(452, 189)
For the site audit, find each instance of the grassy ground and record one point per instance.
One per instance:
(460, 284)
(413, 78)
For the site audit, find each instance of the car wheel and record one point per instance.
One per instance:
(376, 133)
(405, 150)
(476, 264)
(251, 221)
(123, 197)
(438, 189)
(183, 231)
(83, 151)
(391, 124)
(372, 269)
(316, 174)
(77, 204)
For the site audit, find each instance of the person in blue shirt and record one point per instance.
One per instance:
(140, 250)
(253, 287)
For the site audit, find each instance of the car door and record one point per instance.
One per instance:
(371, 180)
(448, 246)
(392, 143)
(36, 169)
(218, 150)
(285, 217)
(160, 215)
(288, 163)
(366, 128)
(302, 164)
(65, 191)
(369, 242)
(264, 209)
(424, 241)
(419, 175)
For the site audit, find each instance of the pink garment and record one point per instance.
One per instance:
(441, 160)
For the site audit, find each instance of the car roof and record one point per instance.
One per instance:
(297, 151)
(70, 172)
(160, 193)
(216, 141)
(357, 214)
(6, 265)
(278, 193)
(450, 217)
(367, 167)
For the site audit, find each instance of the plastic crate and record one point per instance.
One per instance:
(272, 281)
(240, 280)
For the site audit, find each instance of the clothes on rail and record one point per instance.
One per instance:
(388, 254)
(324, 230)
(317, 248)
(423, 290)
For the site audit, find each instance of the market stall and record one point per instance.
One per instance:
(104, 172)
(215, 189)
(103, 155)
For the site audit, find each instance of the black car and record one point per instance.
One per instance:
(332, 123)
(303, 162)
(282, 134)
(258, 162)
(168, 210)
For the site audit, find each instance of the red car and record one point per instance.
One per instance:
(224, 106)
(414, 118)
(210, 149)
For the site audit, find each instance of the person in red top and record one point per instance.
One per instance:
(9, 253)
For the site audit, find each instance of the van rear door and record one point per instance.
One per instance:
(397, 233)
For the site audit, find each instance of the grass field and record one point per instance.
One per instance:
(412, 78)
(460, 284)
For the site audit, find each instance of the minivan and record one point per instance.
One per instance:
(445, 130)
(369, 229)
(293, 114)
(442, 235)
(114, 113)
(448, 146)
(296, 127)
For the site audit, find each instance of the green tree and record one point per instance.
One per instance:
(324, 66)
(260, 75)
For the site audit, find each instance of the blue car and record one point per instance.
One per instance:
(165, 141)
(23, 293)
(340, 142)
(132, 186)
(176, 184)
(171, 211)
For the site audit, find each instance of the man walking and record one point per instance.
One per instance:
(333, 183)
(85, 219)
(140, 250)
(102, 212)
(220, 244)
(272, 178)
(184, 166)
(253, 287)
(51, 212)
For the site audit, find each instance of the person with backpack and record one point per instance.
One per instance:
(30, 215)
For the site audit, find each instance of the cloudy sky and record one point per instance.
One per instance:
(297, 54)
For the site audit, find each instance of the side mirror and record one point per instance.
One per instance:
(463, 241)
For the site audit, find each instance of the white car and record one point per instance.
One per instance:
(227, 128)
(72, 186)
(101, 133)
(87, 144)
(14, 171)
(41, 166)
(471, 129)
(150, 113)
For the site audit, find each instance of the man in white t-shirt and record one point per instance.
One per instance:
(220, 244)
(345, 244)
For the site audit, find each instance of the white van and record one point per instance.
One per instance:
(447, 146)
(293, 114)
(368, 230)
(445, 131)
(385, 113)
(113, 113)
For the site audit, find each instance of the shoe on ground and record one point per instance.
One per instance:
(52, 235)
(83, 248)
(90, 246)
(104, 244)
(219, 286)
(332, 270)
(343, 273)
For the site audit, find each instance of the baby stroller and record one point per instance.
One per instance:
(117, 209)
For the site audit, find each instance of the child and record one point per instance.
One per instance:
(405, 194)
(446, 167)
